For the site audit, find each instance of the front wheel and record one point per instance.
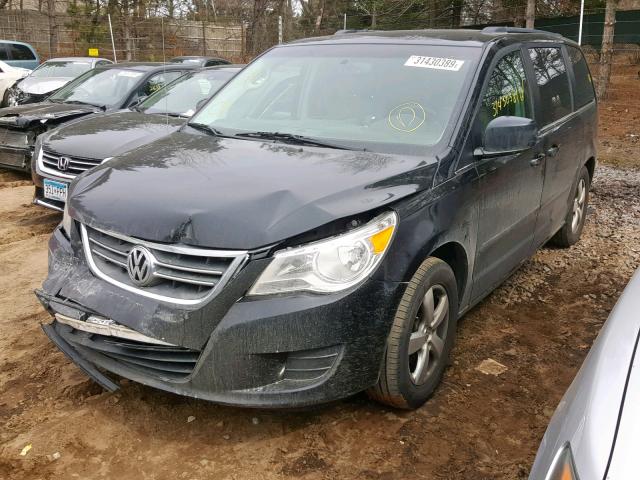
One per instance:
(421, 338)
(574, 221)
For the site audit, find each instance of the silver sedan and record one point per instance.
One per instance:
(595, 431)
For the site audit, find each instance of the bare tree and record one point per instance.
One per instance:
(530, 16)
(606, 52)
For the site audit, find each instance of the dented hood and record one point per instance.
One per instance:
(238, 194)
(22, 116)
(102, 136)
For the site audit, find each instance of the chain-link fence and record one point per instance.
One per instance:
(151, 39)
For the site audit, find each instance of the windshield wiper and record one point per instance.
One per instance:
(293, 139)
(206, 128)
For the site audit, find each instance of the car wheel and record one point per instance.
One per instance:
(5, 98)
(576, 216)
(421, 338)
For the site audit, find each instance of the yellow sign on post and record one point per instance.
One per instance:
(93, 52)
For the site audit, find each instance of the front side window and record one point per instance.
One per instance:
(553, 83)
(21, 52)
(104, 88)
(507, 92)
(387, 98)
(583, 92)
(4, 53)
(65, 69)
(181, 97)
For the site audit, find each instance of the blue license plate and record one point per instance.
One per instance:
(55, 190)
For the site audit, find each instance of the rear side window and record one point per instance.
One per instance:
(4, 52)
(583, 92)
(553, 83)
(507, 92)
(21, 52)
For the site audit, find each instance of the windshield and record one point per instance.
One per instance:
(105, 88)
(387, 98)
(182, 96)
(69, 69)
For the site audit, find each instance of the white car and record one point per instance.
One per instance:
(8, 76)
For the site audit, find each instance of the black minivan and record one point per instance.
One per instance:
(319, 226)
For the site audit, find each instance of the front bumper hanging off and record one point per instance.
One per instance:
(286, 351)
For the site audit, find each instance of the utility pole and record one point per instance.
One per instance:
(581, 21)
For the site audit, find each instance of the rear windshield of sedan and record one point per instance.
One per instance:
(386, 98)
(182, 96)
(99, 87)
(68, 69)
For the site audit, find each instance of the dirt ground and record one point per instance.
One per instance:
(540, 324)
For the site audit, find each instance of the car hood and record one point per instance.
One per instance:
(39, 86)
(238, 194)
(107, 135)
(22, 116)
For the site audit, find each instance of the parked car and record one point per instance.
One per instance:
(48, 78)
(75, 147)
(200, 61)
(9, 75)
(594, 432)
(18, 54)
(104, 88)
(319, 226)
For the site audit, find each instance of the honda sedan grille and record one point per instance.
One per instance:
(179, 274)
(65, 166)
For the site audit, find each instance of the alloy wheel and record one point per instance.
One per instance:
(578, 205)
(426, 343)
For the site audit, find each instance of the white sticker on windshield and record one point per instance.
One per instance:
(434, 62)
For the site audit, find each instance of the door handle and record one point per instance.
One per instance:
(553, 150)
(537, 160)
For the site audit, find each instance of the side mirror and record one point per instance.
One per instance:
(507, 135)
(138, 101)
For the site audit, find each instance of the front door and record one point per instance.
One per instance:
(510, 186)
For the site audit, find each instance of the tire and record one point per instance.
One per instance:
(5, 99)
(402, 384)
(577, 212)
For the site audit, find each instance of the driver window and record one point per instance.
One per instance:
(507, 91)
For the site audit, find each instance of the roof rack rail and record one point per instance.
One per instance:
(505, 29)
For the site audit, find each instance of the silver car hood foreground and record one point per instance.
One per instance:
(587, 416)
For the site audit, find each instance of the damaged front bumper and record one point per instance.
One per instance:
(15, 149)
(281, 351)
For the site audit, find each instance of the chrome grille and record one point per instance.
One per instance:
(181, 274)
(77, 165)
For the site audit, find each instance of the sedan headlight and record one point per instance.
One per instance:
(330, 265)
(563, 467)
(66, 221)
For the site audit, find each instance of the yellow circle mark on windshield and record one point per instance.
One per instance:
(407, 117)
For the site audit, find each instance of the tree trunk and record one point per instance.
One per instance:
(53, 28)
(374, 15)
(530, 16)
(606, 52)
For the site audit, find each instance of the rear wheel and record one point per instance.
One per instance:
(574, 221)
(421, 338)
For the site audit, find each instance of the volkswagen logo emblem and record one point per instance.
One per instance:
(140, 266)
(63, 163)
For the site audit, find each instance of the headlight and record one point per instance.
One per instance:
(330, 265)
(563, 467)
(66, 221)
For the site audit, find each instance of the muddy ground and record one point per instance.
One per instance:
(539, 324)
